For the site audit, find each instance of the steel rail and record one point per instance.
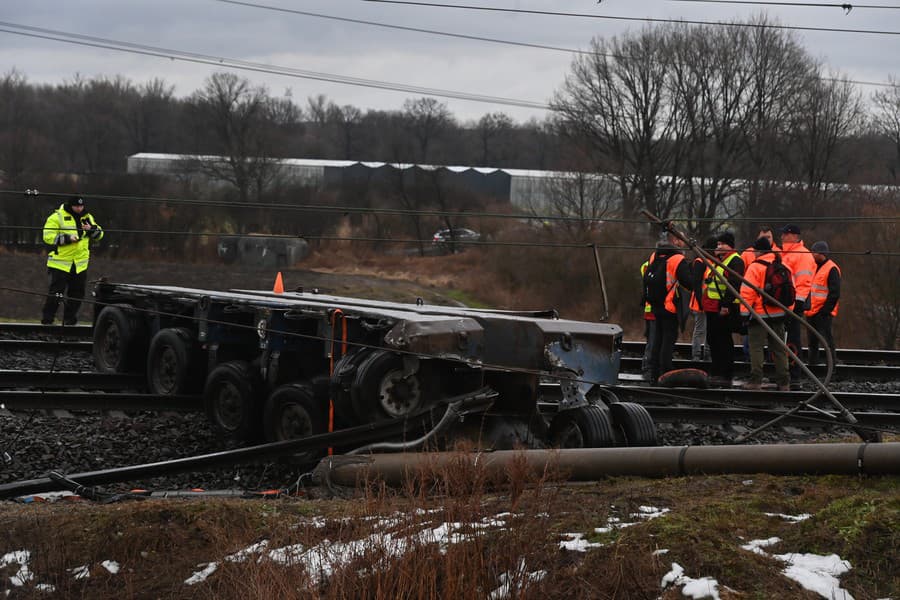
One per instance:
(842, 371)
(45, 345)
(849, 355)
(88, 401)
(32, 328)
(58, 380)
(804, 418)
(751, 399)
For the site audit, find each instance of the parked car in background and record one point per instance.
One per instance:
(458, 234)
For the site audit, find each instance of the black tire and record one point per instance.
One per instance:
(380, 392)
(582, 427)
(171, 362)
(231, 400)
(118, 340)
(635, 423)
(293, 412)
(341, 386)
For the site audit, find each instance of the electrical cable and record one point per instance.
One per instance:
(345, 210)
(108, 44)
(847, 6)
(632, 19)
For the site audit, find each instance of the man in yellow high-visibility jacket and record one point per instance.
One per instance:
(69, 229)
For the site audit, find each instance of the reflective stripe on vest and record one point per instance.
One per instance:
(818, 291)
(714, 284)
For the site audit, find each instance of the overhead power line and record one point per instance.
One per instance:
(633, 19)
(464, 36)
(481, 38)
(220, 62)
(846, 6)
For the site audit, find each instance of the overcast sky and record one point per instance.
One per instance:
(247, 33)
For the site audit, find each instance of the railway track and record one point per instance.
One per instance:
(62, 393)
(878, 371)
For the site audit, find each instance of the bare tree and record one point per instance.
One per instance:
(427, 119)
(491, 127)
(17, 115)
(238, 115)
(886, 120)
(347, 120)
(146, 113)
(616, 103)
(830, 109)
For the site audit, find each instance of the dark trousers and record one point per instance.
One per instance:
(650, 335)
(69, 284)
(822, 323)
(792, 326)
(721, 345)
(663, 345)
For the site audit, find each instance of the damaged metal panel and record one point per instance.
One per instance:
(458, 339)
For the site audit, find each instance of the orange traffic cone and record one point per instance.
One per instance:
(279, 284)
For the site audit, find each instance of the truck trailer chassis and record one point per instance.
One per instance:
(279, 366)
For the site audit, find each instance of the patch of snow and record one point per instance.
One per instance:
(82, 572)
(793, 518)
(755, 546)
(705, 587)
(201, 575)
(242, 555)
(111, 566)
(660, 552)
(22, 577)
(817, 573)
(516, 582)
(45, 587)
(20, 557)
(577, 543)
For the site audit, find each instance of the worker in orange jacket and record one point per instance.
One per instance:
(669, 313)
(825, 291)
(800, 261)
(748, 256)
(755, 273)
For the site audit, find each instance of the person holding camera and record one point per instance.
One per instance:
(69, 230)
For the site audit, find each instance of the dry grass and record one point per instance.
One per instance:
(460, 533)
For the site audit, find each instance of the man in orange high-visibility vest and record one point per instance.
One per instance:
(799, 260)
(824, 293)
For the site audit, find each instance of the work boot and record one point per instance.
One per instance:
(46, 321)
(70, 322)
(751, 385)
(784, 388)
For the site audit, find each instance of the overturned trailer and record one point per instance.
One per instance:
(278, 366)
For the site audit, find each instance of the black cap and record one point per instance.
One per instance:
(727, 238)
(76, 201)
(790, 229)
(763, 244)
(820, 247)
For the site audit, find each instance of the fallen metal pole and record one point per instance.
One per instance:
(591, 464)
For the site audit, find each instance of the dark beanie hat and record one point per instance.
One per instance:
(76, 201)
(820, 247)
(763, 244)
(727, 238)
(790, 229)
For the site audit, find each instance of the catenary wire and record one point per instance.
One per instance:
(448, 213)
(844, 5)
(633, 19)
(108, 44)
(491, 40)
(425, 242)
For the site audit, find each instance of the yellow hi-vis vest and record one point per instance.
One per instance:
(714, 280)
(58, 227)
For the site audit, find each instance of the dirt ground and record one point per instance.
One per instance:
(23, 281)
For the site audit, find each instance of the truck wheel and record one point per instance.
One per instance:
(118, 340)
(171, 362)
(293, 412)
(381, 392)
(582, 427)
(634, 422)
(341, 387)
(230, 399)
